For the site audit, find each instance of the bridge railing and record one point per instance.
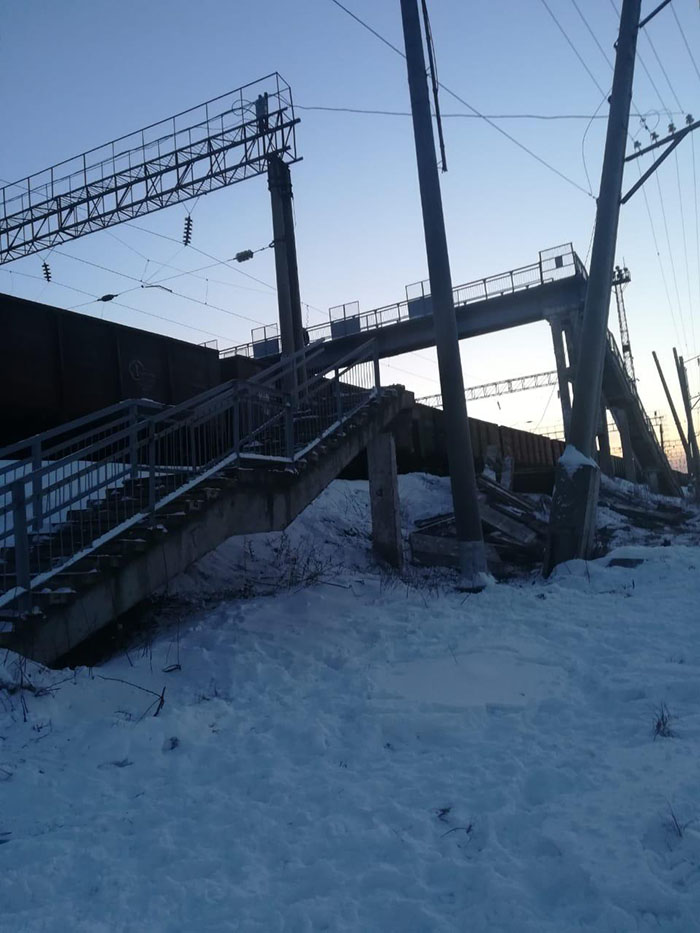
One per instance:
(553, 264)
(63, 501)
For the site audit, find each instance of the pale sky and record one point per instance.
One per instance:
(79, 73)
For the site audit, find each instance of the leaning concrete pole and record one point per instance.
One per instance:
(694, 461)
(677, 420)
(572, 524)
(472, 554)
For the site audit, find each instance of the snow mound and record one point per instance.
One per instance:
(368, 753)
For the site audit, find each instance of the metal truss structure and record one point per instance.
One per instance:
(503, 387)
(621, 278)
(216, 144)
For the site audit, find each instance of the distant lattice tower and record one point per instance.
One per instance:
(622, 277)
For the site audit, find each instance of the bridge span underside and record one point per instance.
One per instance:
(540, 302)
(560, 302)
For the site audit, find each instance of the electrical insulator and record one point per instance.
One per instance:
(45, 268)
(108, 298)
(671, 128)
(244, 255)
(187, 234)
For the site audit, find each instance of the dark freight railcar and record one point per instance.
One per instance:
(56, 365)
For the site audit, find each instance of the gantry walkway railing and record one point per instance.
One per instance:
(559, 262)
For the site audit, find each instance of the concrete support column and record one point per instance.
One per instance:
(286, 271)
(620, 416)
(604, 458)
(562, 373)
(384, 499)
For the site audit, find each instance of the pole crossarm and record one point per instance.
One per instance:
(653, 13)
(215, 144)
(673, 140)
(502, 387)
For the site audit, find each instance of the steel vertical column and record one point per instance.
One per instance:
(459, 447)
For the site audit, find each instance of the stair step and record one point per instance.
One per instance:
(50, 596)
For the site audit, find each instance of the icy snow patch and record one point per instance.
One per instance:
(481, 678)
(572, 459)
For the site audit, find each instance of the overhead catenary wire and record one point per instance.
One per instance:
(95, 298)
(142, 284)
(224, 262)
(196, 249)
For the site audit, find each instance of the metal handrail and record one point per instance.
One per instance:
(55, 512)
(9, 452)
(612, 345)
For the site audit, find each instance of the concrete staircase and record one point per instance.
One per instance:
(142, 526)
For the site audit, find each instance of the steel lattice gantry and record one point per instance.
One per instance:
(216, 144)
(502, 387)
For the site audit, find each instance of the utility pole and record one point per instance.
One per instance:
(472, 553)
(676, 419)
(694, 458)
(575, 500)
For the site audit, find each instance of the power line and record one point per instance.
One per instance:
(644, 67)
(466, 116)
(670, 253)
(685, 42)
(573, 47)
(697, 212)
(663, 70)
(369, 28)
(595, 38)
(583, 143)
(461, 100)
(658, 256)
(685, 249)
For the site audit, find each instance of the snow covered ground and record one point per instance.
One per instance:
(340, 749)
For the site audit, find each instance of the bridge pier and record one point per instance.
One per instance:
(557, 329)
(620, 416)
(604, 457)
(384, 499)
